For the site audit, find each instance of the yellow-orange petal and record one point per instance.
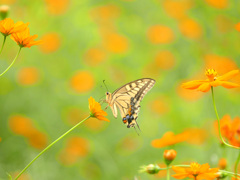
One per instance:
(103, 118)
(228, 75)
(205, 87)
(204, 168)
(178, 169)
(193, 84)
(229, 85)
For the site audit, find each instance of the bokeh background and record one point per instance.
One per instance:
(85, 42)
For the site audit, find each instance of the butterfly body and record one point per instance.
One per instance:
(127, 99)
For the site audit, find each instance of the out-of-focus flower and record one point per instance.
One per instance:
(95, 56)
(169, 138)
(115, 42)
(50, 42)
(23, 38)
(222, 163)
(24, 126)
(28, 76)
(193, 136)
(76, 148)
(212, 81)
(82, 81)
(221, 64)
(150, 169)
(196, 171)
(164, 60)
(4, 11)
(57, 7)
(96, 111)
(177, 9)
(8, 27)
(169, 155)
(190, 28)
(238, 26)
(219, 4)
(159, 34)
(230, 129)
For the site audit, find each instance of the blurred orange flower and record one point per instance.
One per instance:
(190, 28)
(23, 39)
(212, 81)
(196, 171)
(158, 34)
(96, 111)
(230, 129)
(169, 138)
(220, 4)
(8, 27)
(238, 26)
(191, 135)
(76, 148)
(82, 81)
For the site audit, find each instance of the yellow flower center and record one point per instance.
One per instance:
(195, 168)
(211, 74)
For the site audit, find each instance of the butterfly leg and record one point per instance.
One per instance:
(106, 107)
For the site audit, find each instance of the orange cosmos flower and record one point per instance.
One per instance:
(96, 111)
(196, 171)
(23, 39)
(8, 27)
(212, 81)
(230, 129)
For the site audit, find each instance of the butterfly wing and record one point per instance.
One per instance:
(128, 97)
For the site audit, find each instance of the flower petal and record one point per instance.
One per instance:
(205, 87)
(193, 84)
(180, 176)
(204, 168)
(177, 169)
(228, 75)
(229, 85)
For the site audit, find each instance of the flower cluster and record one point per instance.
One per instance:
(19, 32)
(228, 129)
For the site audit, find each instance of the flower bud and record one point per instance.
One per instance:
(4, 9)
(150, 169)
(222, 163)
(169, 156)
(222, 175)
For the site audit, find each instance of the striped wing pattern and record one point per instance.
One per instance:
(128, 97)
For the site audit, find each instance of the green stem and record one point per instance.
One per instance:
(49, 146)
(11, 63)
(236, 164)
(219, 127)
(4, 40)
(168, 173)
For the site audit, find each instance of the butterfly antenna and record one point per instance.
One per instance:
(105, 84)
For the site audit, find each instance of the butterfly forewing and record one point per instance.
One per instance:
(128, 97)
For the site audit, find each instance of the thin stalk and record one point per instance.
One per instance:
(168, 173)
(236, 164)
(11, 63)
(4, 40)
(219, 127)
(49, 146)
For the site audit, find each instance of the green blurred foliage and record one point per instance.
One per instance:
(111, 40)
